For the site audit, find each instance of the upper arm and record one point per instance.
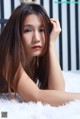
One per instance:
(27, 89)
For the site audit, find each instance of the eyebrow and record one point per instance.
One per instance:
(30, 25)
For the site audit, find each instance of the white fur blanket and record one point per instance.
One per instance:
(17, 109)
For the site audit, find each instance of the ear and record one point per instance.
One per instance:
(28, 1)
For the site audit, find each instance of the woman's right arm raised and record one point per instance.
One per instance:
(29, 91)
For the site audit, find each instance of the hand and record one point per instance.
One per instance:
(55, 31)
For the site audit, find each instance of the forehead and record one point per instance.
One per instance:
(33, 19)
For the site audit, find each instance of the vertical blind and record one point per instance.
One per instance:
(68, 43)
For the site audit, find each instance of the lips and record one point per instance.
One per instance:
(36, 47)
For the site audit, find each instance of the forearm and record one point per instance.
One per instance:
(56, 98)
(56, 80)
(29, 91)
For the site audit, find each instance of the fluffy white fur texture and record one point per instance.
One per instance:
(18, 109)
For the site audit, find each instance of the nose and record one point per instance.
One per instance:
(36, 37)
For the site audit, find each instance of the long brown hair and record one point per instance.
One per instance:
(11, 48)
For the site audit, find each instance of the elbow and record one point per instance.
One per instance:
(34, 97)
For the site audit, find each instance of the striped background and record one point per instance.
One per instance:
(68, 43)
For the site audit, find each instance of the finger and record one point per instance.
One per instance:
(56, 26)
(56, 21)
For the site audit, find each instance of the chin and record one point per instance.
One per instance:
(37, 54)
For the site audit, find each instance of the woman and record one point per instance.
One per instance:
(28, 57)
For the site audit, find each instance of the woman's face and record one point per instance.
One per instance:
(33, 36)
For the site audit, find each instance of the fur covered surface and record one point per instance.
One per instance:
(18, 109)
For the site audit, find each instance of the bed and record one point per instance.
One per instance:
(18, 109)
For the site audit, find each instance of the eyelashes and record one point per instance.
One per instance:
(31, 30)
(41, 30)
(27, 30)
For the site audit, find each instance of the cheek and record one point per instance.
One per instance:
(26, 45)
(43, 39)
(26, 40)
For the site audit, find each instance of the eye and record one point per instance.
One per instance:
(41, 30)
(27, 30)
